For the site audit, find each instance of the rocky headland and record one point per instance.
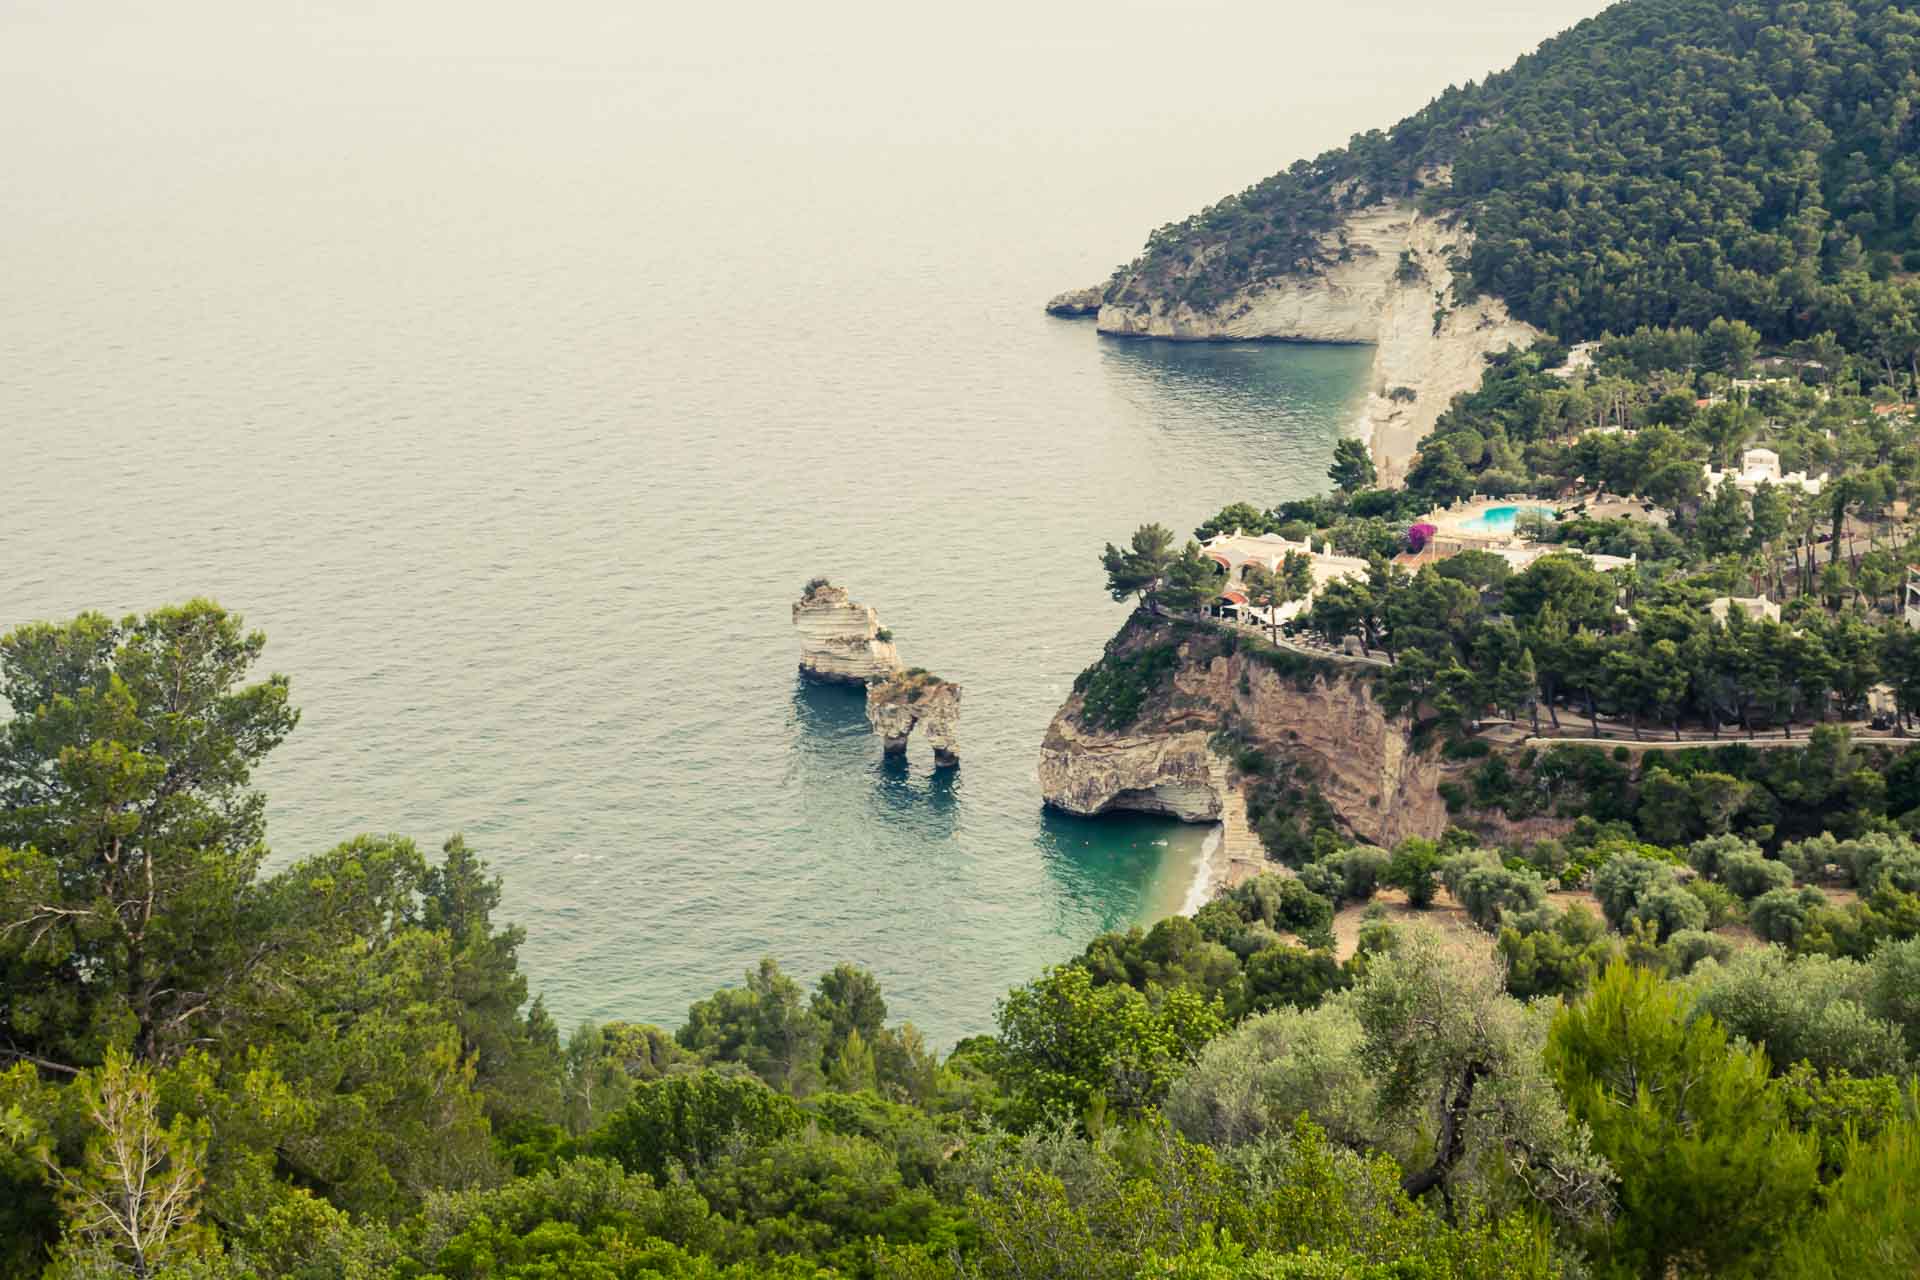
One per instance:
(841, 642)
(916, 699)
(1389, 283)
(1321, 715)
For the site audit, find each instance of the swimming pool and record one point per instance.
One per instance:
(1501, 519)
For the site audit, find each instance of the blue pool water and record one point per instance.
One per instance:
(1502, 519)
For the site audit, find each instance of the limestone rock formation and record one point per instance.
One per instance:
(916, 698)
(841, 642)
(1367, 771)
(1088, 772)
(1077, 302)
(1394, 292)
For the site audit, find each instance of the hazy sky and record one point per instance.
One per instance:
(116, 103)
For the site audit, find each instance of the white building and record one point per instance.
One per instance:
(1234, 552)
(1758, 467)
(1579, 360)
(1755, 607)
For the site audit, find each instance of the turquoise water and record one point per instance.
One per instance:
(514, 367)
(1502, 519)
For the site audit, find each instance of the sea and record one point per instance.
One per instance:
(512, 367)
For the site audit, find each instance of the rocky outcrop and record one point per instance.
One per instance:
(1077, 302)
(841, 642)
(1341, 303)
(1391, 288)
(1379, 787)
(895, 707)
(1088, 772)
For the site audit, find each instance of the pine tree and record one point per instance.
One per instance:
(1693, 1125)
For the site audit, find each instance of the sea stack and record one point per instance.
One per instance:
(841, 642)
(916, 697)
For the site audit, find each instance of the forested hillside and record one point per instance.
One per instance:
(1665, 163)
(334, 1072)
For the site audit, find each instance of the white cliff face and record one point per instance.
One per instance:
(1341, 304)
(1367, 299)
(896, 706)
(840, 640)
(1436, 364)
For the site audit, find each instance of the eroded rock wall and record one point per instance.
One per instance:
(1381, 788)
(840, 640)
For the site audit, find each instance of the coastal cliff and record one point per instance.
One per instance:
(1320, 714)
(1389, 283)
(841, 642)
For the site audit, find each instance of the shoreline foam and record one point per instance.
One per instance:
(1208, 876)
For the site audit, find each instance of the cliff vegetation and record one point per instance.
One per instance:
(1667, 162)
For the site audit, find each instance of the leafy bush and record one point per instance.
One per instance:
(685, 1121)
(1361, 868)
(1491, 893)
(1412, 868)
(1709, 855)
(1669, 909)
(1624, 880)
(1116, 688)
(1802, 1009)
(1688, 949)
(1281, 902)
(1720, 904)
(1749, 875)
(1778, 916)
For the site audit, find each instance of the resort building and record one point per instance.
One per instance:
(1913, 596)
(1758, 467)
(1236, 551)
(1755, 607)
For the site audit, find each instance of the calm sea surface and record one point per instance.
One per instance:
(514, 365)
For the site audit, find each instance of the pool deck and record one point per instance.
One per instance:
(1458, 521)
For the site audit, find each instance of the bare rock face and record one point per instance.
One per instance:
(1077, 302)
(840, 641)
(1380, 788)
(895, 706)
(1088, 772)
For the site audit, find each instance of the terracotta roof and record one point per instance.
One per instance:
(1234, 596)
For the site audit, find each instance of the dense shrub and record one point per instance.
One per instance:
(1361, 868)
(685, 1121)
(1779, 916)
(1668, 909)
(1623, 881)
(1491, 893)
(1748, 875)
(1114, 690)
